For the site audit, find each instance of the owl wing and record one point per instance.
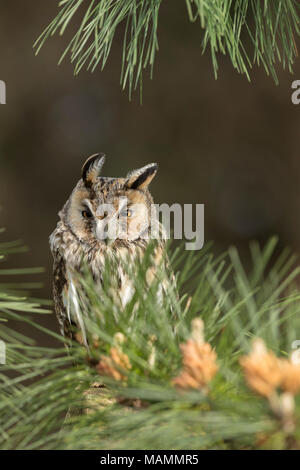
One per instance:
(60, 289)
(60, 283)
(68, 296)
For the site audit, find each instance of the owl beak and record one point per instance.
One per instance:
(101, 217)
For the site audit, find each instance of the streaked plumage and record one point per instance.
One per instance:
(78, 237)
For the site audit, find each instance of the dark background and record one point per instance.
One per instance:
(230, 144)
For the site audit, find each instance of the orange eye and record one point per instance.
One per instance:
(86, 214)
(126, 213)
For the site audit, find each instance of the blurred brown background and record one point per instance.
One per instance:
(230, 144)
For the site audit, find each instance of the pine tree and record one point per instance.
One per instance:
(211, 368)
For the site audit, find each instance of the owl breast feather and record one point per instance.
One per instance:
(70, 255)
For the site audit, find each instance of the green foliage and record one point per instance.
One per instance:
(145, 411)
(249, 31)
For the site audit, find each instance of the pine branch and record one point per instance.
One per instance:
(270, 27)
(147, 397)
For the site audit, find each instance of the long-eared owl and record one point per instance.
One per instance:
(83, 234)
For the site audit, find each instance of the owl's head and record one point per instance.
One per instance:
(105, 209)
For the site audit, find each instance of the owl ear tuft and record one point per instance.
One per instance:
(91, 168)
(141, 178)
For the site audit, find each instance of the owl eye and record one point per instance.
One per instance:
(127, 213)
(86, 214)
